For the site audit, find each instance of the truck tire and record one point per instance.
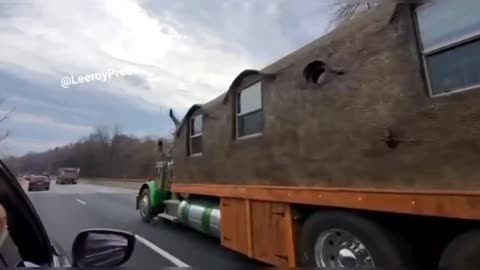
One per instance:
(144, 205)
(462, 252)
(344, 239)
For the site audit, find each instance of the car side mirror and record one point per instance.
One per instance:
(102, 248)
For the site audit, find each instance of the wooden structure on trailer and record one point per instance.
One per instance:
(350, 120)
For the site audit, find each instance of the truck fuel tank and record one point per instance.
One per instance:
(201, 216)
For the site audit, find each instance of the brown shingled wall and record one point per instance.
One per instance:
(332, 134)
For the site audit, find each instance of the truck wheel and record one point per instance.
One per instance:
(144, 205)
(462, 252)
(343, 239)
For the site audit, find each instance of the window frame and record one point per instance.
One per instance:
(192, 135)
(442, 47)
(237, 115)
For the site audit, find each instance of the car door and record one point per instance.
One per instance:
(9, 255)
(25, 230)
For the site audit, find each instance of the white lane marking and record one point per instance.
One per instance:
(162, 252)
(82, 202)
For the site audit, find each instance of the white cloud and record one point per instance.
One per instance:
(31, 132)
(264, 30)
(183, 52)
(55, 37)
(48, 123)
(15, 146)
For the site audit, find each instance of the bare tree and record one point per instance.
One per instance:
(108, 138)
(114, 143)
(106, 152)
(346, 11)
(4, 117)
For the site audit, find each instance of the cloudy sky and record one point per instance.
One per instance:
(176, 53)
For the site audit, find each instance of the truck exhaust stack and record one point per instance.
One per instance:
(174, 118)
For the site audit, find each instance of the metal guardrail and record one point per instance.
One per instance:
(115, 180)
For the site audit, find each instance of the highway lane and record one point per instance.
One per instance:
(67, 209)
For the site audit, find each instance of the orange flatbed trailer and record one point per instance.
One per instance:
(250, 224)
(358, 149)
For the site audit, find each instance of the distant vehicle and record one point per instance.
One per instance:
(39, 182)
(68, 175)
(32, 246)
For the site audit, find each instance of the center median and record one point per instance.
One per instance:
(133, 184)
(23, 183)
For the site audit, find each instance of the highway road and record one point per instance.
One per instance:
(67, 209)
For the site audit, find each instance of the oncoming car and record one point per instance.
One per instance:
(38, 183)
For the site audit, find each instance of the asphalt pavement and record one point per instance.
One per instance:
(68, 209)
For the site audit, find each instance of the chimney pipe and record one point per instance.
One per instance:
(174, 118)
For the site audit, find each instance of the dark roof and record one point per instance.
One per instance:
(237, 82)
(189, 113)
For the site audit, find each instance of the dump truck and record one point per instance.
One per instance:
(359, 149)
(68, 175)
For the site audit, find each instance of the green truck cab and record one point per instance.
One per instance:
(155, 199)
(154, 192)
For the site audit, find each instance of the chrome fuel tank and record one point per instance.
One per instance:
(203, 217)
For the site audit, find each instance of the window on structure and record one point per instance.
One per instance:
(195, 143)
(314, 72)
(450, 39)
(249, 114)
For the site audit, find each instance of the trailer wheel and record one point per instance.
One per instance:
(144, 205)
(463, 251)
(343, 239)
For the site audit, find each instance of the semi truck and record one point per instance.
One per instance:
(360, 149)
(68, 175)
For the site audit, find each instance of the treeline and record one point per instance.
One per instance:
(107, 153)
